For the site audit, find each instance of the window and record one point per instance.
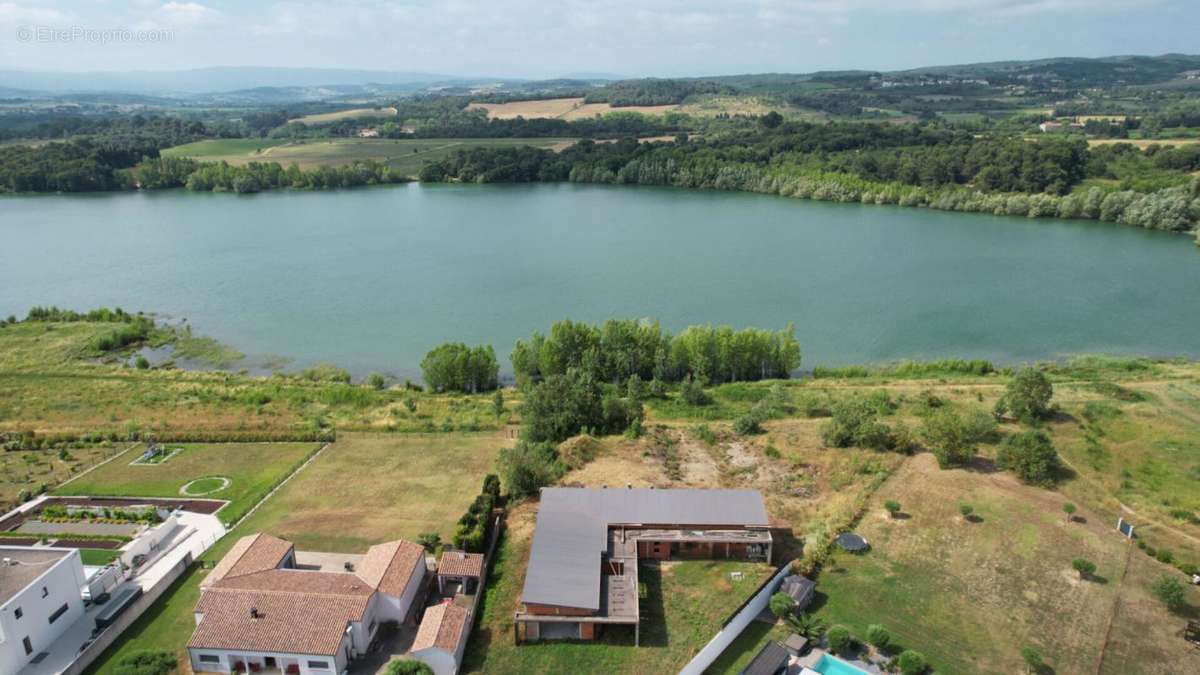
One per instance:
(318, 665)
(18, 613)
(28, 646)
(209, 658)
(45, 591)
(58, 612)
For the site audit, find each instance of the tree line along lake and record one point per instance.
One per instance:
(373, 278)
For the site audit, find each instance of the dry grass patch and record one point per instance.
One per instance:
(324, 118)
(562, 108)
(369, 488)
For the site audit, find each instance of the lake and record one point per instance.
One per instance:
(372, 278)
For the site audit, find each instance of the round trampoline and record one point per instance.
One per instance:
(851, 542)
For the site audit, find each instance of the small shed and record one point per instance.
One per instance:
(849, 541)
(460, 567)
(795, 644)
(770, 660)
(801, 589)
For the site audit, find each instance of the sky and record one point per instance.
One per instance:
(549, 38)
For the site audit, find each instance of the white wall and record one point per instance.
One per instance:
(62, 581)
(734, 628)
(441, 662)
(149, 542)
(391, 608)
(229, 657)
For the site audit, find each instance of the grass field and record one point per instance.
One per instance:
(1143, 142)
(253, 469)
(405, 155)
(684, 605)
(324, 118)
(562, 108)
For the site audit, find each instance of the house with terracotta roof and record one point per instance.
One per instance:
(262, 611)
(442, 637)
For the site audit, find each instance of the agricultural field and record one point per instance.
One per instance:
(416, 483)
(405, 155)
(325, 118)
(711, 105)
(29, 471)
(562, 108)
(252, 469)
(1143, 142)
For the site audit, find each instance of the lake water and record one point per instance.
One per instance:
(373, 278)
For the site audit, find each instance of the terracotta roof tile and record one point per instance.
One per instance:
(441, 627)
(389, 567)
(460, 564)
(252, 553)
(300, 623)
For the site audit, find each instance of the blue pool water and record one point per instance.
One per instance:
(832, 665)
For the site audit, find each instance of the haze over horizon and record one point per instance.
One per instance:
(527, 39)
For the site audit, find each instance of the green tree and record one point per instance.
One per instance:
(854, 422)
(1084, 567)
(782, 604)
(429, 540)
(966, 510)
(1169, 591)
(1069, 509)
(1033, 659)
(806, 625)
(528, 467)
(839, 638)
(1027, 396)
(375, 381)
(1031, 456)
(454, 366)
(912, 662)
(879, 636)
(142, 363)
(892, 507)
(952, 437)
(498, 403)
(692, 391)
(146, 662)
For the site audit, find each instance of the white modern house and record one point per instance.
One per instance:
(261, 612)
(39, 599)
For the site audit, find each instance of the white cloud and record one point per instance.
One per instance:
(182, 15)
(12, 14)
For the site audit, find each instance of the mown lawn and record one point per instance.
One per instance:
(682, 608)
(253, 469)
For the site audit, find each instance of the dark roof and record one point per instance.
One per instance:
(851, 541)
(795, 643)
(769, 661)
(572, 532)
(799, 589)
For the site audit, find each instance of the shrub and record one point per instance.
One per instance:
(141, 363)
(782, 604)
(912, 662)
(878, 636)
(1027, 396)
(1069, 509)
(326, 372)
(892, 506)
(748, 424)
(1164, 556)
(1033, 658)
(966, 510)
(429, 540)
(527, 467)
(854, 423)
(692, 391)
(375, 381)
(1031, 456)
(1085, 567)
(146, 662)
(705, 434)
(953, 438)
(1169, 591)
(772, 452)
(840, 639)
(408, 667)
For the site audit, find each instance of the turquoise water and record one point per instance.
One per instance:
(373, 278)
(832, 665)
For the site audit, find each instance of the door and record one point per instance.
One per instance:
(269, 661)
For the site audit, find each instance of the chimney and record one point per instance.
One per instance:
(254, 613)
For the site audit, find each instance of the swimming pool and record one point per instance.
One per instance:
(832, 665)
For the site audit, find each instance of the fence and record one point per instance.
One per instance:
(735, 625)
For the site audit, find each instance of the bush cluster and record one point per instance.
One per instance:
(472, 530)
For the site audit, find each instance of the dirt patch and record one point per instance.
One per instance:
(561, 108)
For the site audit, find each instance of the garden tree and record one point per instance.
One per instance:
(1031, 456)
(953, 437)
(912, 662)
(782, 604)
(146, 662)
(1033, 659)
(692, 391)
(1084, 567)
(1069, 509)
(806, 625)
(878, 636)
(966, 510)
(498, 403)
(854, 422)
(839, 638)
(528, 467)
(408, 667)
(375, 381)
(1169, 591)
(454, 366)
(1027, 396)
(635, 389)
(892, 507)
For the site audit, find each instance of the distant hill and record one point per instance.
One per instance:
(206, 80)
